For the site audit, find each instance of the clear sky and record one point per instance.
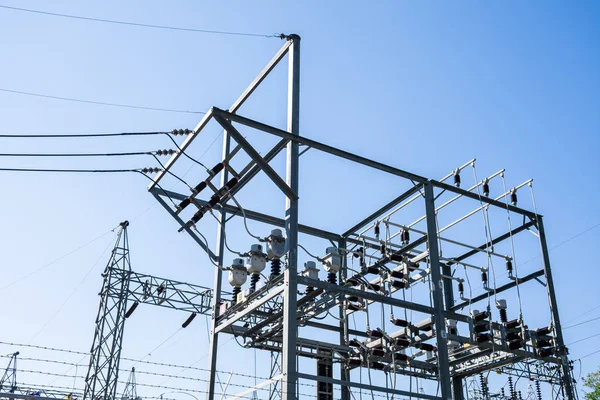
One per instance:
(421, 86)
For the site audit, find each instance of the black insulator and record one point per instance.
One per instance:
(503, 315)
(480, 316)
(383, 249)
(353, 281)
(486, 189)
(520, 395)
(332, 278)
(180, 131)
(543, 342)
(160, 289)
(214, 199)
(513, 198)
(483, 384)
(254, 278)
(483, 337)
(354, 307)
(187, 131)
(405, 236)
(543, 331)
(396, 257)
(352, 298)
(413, 266)
(200, 187)
(131, 309)
(275, 268)
(374, 287)
(397, 274)
(402, 342)
(354, 362)
(511, 388)
(398, 284)
(515, 344)
(481, 327)
(401, 357)
(452, 330)
(373, 270)
(425, 346)
(358, 252)
(354, 343)
(236, 290)
(502, 392)
(374, 333)
(188, 320)
(513, 324)
(546, 352)
(461, 289)
(457, 179)
(484, 277)
(378, 352)
(509, 267)
(217, 168)
(513, 335)
(377, 230)
(538, 390)
(184, 203)
(199, 214)
(399, 322)
(231, 183)
(309, 289)
(377, 365)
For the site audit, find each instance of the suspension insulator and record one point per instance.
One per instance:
(332, 278)
(461, 289)
(457, 179)
(382, 249)
(131, 309)
(275, 268)
(538, 390)
(520, 395)
(484, 277)
(509, 266)
(189, 320)
(405, 236)
(511, 388)
(377, 231)
(254, 278)
(513, 197)
(486, 189)
(483, 383)
(236, 290)
(503, 315)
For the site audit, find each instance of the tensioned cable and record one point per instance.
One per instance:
(136, 153)
(129, 23)
(101, 103)
(79, 135)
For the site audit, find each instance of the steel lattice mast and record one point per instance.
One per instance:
(103, 371)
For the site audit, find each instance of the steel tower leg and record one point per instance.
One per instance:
(290, 330)
(10, 374)
(560, 344)
(103, 371)
(438, 295)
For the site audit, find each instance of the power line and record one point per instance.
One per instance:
(173, 28)
(590, 354)
(581, 340)
(581, 323)
(102, 103)
(82, 135)
(582, 314)
(70, 170)
(138, 153)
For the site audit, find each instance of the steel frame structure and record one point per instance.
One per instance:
(256, 321)
(122, 291)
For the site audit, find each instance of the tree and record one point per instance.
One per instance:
(592, 381)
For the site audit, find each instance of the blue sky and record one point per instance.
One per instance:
(421, 86)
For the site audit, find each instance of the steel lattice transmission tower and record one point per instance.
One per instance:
(9, 378)
(103, 371)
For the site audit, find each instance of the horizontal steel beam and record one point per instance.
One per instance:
(367, 387)
(483, 199)
(255, 216)
(318, 146)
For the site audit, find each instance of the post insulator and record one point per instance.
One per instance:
(457, 179)
(461, 289)
(377, 231)
(513, 197)
(509, 266)
(275, 268)
(332, 278)
(486, 189)
(484, 277)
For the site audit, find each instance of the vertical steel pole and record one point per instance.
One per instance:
(558, 336)
(344, 373)
(457, 382)
(290, 328)
(438, 295)
(218, 281)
